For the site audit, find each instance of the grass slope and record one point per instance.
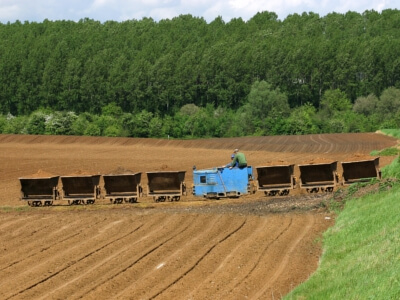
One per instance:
(361, 258)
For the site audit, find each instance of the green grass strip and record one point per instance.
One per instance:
(361, 258)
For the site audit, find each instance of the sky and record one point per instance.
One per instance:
(122, 10)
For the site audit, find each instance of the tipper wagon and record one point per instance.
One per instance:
(39, 191)
(123, 187)
(166, 185)
(360, 170)
(80, 189)
(276, 179)
(317, 177)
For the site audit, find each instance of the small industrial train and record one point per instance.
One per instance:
(213, 183)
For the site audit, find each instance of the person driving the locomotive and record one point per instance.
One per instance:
(230, 163)
(239, 160)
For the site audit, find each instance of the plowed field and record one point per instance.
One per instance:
(255, 247)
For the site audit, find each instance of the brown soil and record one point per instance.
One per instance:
(254, 247)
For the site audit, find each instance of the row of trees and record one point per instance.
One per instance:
(158, 67)
(267, 112)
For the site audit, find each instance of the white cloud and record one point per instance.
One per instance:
(9, 11)
(120, 10)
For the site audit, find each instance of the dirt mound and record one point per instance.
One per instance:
(120, 171)
(318, 160)
(275, 163)
(40, 174)
(359, 157)
(80, 173)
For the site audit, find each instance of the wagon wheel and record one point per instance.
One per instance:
(29, 203)
(160, 199)
(329, 189)
(283, 192)
(272, 193)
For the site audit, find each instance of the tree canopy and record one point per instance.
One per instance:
(261, 72)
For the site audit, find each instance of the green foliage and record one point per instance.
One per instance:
(389, 103)
(80, 125)
(366, 105)
(334, 101)
(302, 120)
(392, 151)
(3, 123)
(392, 132)
(92, 130)
(265, 106)
(60, 123)
(15, 125)
(112, 110)
(392, 170)
(156, 127)
(189, 109)
(37, 123)
(112, 130)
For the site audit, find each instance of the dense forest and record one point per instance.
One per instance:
(186, 78)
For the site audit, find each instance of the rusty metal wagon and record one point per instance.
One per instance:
(276, 179)
(317, 177)
(123, 187)
(166, 185)
(360, 170)
(81, 189)
(39, 191)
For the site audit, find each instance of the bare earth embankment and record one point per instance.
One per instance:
(255, 247)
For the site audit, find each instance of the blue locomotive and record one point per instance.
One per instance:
(218, 183)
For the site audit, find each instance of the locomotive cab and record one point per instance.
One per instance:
(218, 183)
